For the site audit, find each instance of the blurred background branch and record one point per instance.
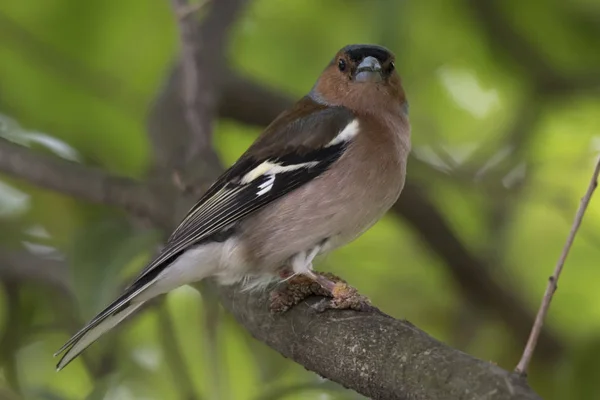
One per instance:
(74, 179)
(525, 55)
(24, 267)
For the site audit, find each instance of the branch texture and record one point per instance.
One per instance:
(373, 353)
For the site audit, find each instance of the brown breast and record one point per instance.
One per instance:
(340, 204)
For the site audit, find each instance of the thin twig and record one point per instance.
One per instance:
(521, 368)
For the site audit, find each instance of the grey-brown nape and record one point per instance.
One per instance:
(317, 97)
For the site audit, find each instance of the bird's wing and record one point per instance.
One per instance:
(297, 147)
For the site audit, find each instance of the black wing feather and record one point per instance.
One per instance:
(302, 134)
(228, 202)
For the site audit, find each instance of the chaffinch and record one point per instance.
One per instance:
(320, 174)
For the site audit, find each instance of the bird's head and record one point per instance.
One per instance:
(361, 77)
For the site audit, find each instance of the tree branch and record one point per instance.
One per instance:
(180, 121)
(26, 267)
(553, 280)
(74, 179)
(196, 92)
(250, 102)
(373, 353)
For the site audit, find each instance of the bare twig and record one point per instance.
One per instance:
(553, 280)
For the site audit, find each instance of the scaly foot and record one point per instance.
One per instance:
(298, 288)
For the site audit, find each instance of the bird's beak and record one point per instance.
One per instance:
(369, 70)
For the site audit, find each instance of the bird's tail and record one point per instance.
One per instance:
(102, 323)
(150, 283)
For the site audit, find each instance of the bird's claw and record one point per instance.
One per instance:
(344, 297)
(294, 291)
(339, 295)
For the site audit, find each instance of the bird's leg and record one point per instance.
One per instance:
(297, 286)
(302, 282)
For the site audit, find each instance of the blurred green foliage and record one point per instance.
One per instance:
(504, 159)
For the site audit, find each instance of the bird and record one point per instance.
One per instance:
(321, 174)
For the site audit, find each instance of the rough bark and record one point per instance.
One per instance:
(373, 353)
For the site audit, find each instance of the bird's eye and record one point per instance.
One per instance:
(342, 65)
(392, 66)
